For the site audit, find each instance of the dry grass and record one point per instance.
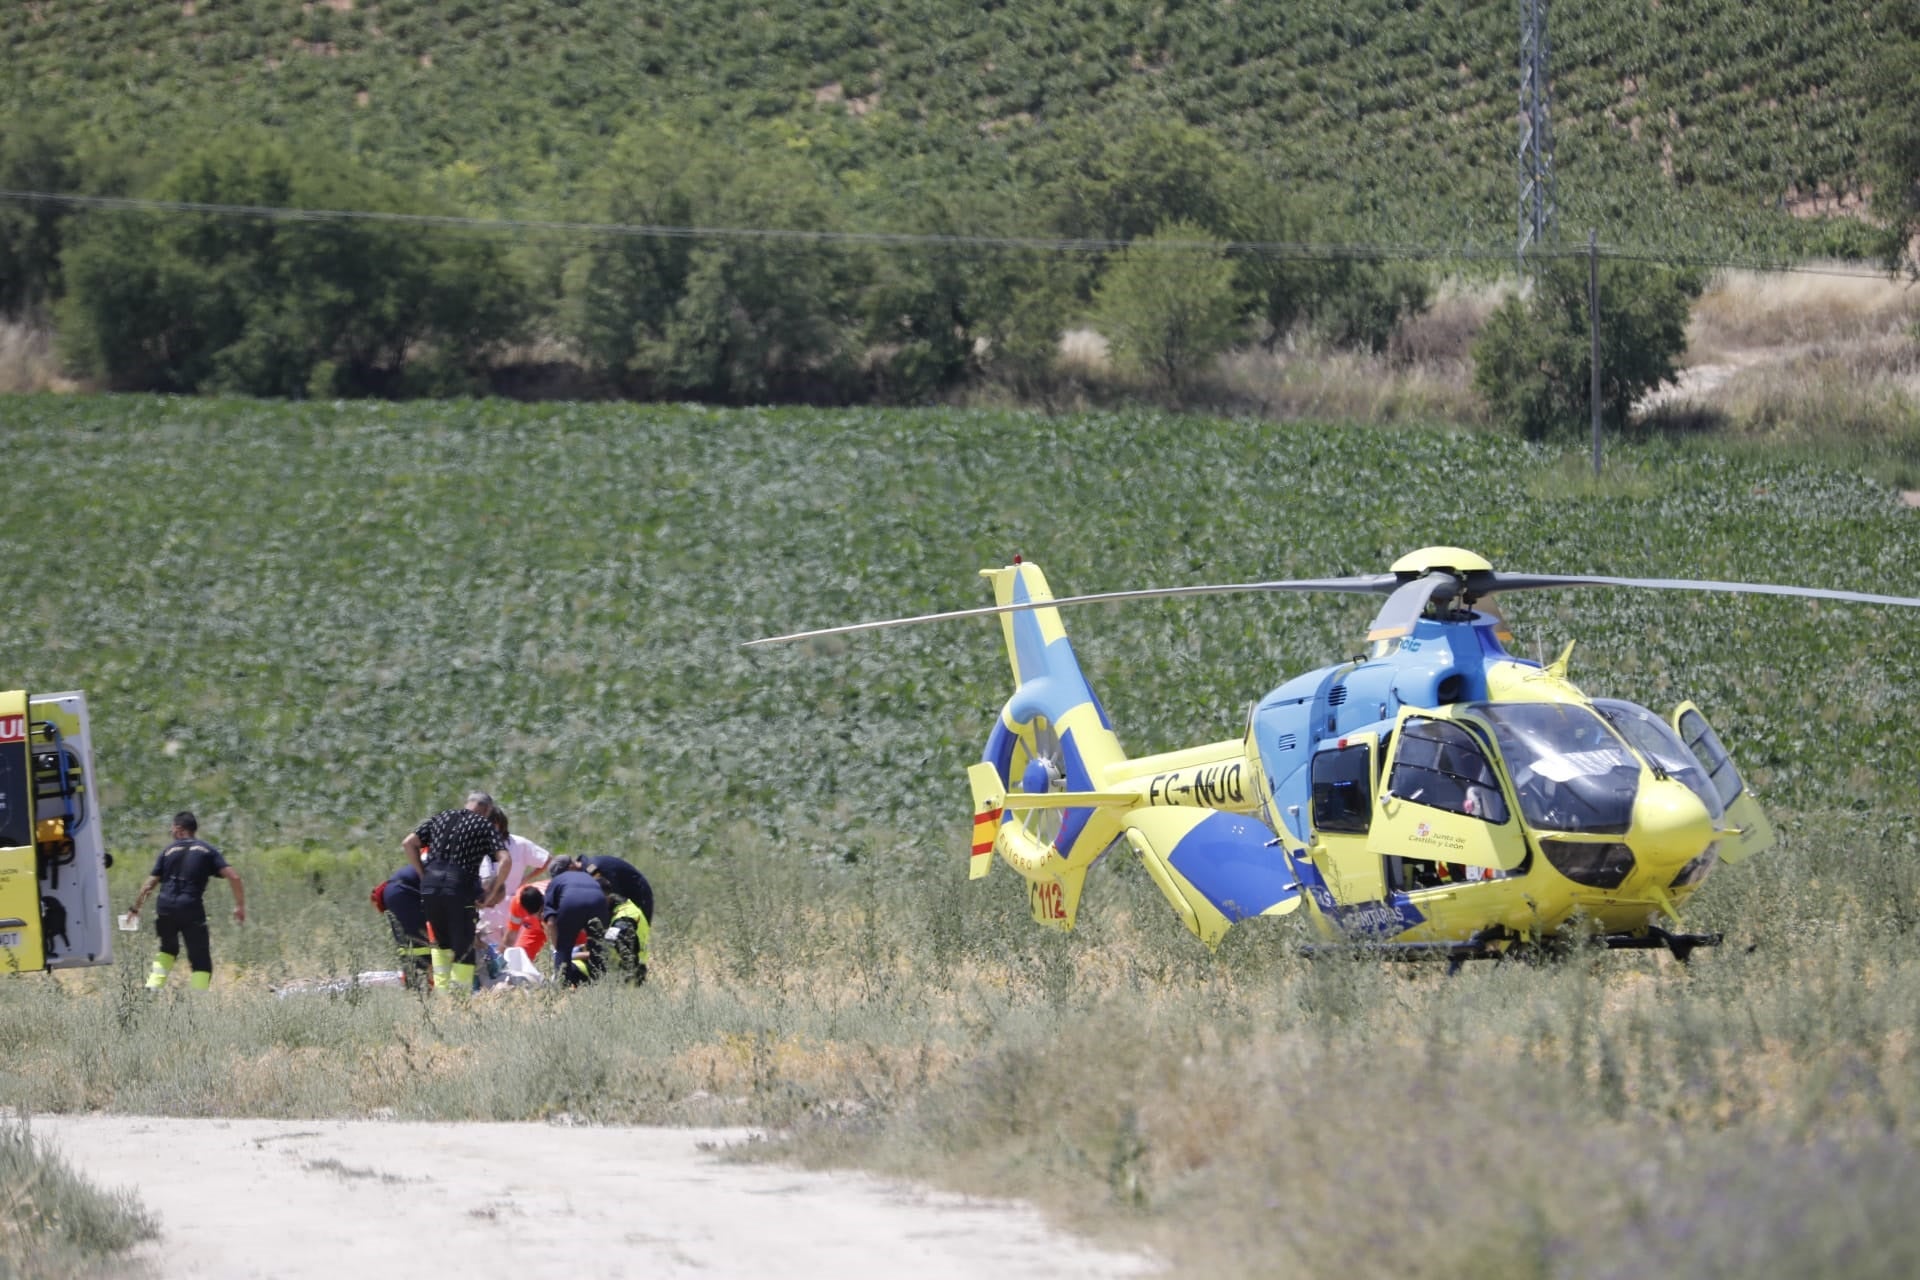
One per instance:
(1226, 1111)
(55, 1225)
(1347, 386)
(1084, 353)
(1802, 360)
(27, 360)
(1744, 312)
(1425, 374)
(1445, 332)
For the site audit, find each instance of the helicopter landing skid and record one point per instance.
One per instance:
(1454, 953)
(1482, 947)
(1680, 944)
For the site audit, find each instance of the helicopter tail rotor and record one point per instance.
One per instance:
(1052, 736)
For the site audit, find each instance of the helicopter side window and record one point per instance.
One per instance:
(1343, 790)
(1662, 748)
(1705, 744)
(1442, 766)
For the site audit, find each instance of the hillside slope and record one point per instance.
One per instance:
(1707, 124)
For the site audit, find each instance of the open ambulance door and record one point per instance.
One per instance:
(1748, 831)
(54, 912)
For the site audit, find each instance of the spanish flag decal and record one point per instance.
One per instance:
(986, 826)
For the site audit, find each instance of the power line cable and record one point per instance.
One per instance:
(1305, 251)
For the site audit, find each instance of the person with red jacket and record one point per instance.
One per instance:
(525, 929)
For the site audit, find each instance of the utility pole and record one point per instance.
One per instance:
(1593, 327)
(1536, 132)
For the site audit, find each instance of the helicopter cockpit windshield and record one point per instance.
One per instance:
(1570, 770)
(1655, 740)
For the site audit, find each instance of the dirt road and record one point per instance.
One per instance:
(291, 1199)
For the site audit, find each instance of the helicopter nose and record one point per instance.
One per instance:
(1670, 824)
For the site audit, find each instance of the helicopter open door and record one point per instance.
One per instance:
(1748, 831)
(1343, 776)
(1442, 801)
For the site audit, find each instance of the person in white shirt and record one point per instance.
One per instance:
(522, 859)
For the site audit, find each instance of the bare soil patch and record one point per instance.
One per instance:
(323, 1198)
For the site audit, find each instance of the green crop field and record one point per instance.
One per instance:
(1690, 126)
(316, 623)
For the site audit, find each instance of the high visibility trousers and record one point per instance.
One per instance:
(449, 977)
(416, 965)
(632, 939)
(199, 980)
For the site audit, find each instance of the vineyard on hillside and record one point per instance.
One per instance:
(1703, 125)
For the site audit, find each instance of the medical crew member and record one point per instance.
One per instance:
(181, 872)
(631, 930)
(398, 898)
(575, 902)
(524, 858)
(622, 879)
(461, 839)
(525, 929)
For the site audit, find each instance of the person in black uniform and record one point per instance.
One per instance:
(461, 839)
(181, 873)
(575, 903)
(623, 880)
(398, 898)
(628, 892)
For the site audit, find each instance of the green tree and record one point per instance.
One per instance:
(1362, 302)
(1167, 306)
(282, 306)
(1115, 178)
(729, 317)
(1533, 362)
(1280, 282)
(1288, 282)
(1893, 132)
(939, 314)
(1121, 177)
(623, 290)
(34, 156)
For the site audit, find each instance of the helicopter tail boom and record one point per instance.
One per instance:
(1054, 791)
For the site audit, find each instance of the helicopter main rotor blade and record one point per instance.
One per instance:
(1367, 584)
(1542, 581)
(1408, 601)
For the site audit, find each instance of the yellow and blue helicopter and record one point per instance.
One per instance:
(1438, 797)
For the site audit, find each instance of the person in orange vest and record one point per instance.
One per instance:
(525, 929)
